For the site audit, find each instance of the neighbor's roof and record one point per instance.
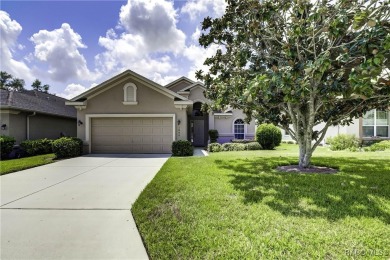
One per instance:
(36, 101)
(169, 85)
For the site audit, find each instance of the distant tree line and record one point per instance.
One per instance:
(10, 83)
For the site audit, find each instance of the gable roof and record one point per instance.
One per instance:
(106, 84)
(195, 84)
(170, 85)
(36, 101)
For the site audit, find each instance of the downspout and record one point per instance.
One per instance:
(28, 124)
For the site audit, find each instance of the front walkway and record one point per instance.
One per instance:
(75, 209)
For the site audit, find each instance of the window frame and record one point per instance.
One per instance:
(125, 91)
(244, 128)
(375, 124)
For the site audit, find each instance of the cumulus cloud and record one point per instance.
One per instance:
(59, 49)
(10, 31)
(72, 90)
(155, 21)
(198, 8)
(197, 55)
(148, 39)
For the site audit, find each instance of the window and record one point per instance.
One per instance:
(197, 109)
(239, 129)
(130, 94)
(376, 123)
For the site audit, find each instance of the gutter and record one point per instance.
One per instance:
(28, 124)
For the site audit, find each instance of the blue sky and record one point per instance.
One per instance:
(74, 45)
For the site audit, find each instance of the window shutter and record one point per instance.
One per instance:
(130, 94)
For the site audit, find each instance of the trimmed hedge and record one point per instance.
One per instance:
(66, 147)
(381, 146)
(214, 147)
(242, 141)
(268, 136)
(182, 148)
(252, 146)
(37, 147)
(343, 142)
(80, 144)
(213, 133)
(233, 147)
(6, 145)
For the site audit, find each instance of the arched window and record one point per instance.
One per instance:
(239, 129)
(130, 94)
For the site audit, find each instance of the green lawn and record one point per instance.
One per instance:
(234, 205)
(14, 165)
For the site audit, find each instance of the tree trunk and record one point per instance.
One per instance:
(305, 150)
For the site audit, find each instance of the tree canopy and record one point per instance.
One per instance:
(299, 63)
(37, 85)
(8, 82)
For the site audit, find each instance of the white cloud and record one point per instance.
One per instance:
(164, 80)
(195, 36)
(72, 90)
(198, 8)
(155, 21)
(150, 36)
(59, 49)
(10, 31)
(197, 55)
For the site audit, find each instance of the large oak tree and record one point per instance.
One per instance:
(300, 64)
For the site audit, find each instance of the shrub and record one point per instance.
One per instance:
(381, 146)
(290, 142)
(342, 142)
(6, 144)
(213, 133)
(79, 143)
(252, 146)
(37, 147)
(242, 141)
(268, 136)
(182, 148)
(214, 147)
(66, 147)
(233, 147)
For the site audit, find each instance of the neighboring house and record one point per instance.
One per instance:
(374, 125)
(30, 114)
(132, 114)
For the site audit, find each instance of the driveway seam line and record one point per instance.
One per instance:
(55, 184)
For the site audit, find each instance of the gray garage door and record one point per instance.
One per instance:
(131, 135)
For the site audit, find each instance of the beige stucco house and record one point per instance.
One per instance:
(374, 125)
(30, 114)
(132, 114)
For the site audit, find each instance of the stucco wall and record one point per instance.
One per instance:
(149, 102)
(196, 94)
(44, 126)
(18, 126)
(4, 119)
(224, 125)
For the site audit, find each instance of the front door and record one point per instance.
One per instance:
(199, 133)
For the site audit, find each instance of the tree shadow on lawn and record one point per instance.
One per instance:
(360, 189)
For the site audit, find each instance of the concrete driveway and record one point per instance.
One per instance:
(75, 209)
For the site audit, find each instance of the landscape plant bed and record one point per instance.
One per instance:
(311, 169)
(13, 165)
(237, 205)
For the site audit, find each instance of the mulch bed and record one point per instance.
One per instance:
(311, 169)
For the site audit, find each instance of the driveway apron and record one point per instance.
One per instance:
(76, 208)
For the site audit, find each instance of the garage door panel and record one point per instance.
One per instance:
(131, 135)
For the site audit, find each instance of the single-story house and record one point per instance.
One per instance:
(374, 125)
(31, 114)
(132, 114)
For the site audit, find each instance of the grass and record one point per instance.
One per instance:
(8, 166)
(235, 205)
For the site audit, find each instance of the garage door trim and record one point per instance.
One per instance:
(88, 124)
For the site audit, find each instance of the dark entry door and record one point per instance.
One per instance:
(199, 135)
